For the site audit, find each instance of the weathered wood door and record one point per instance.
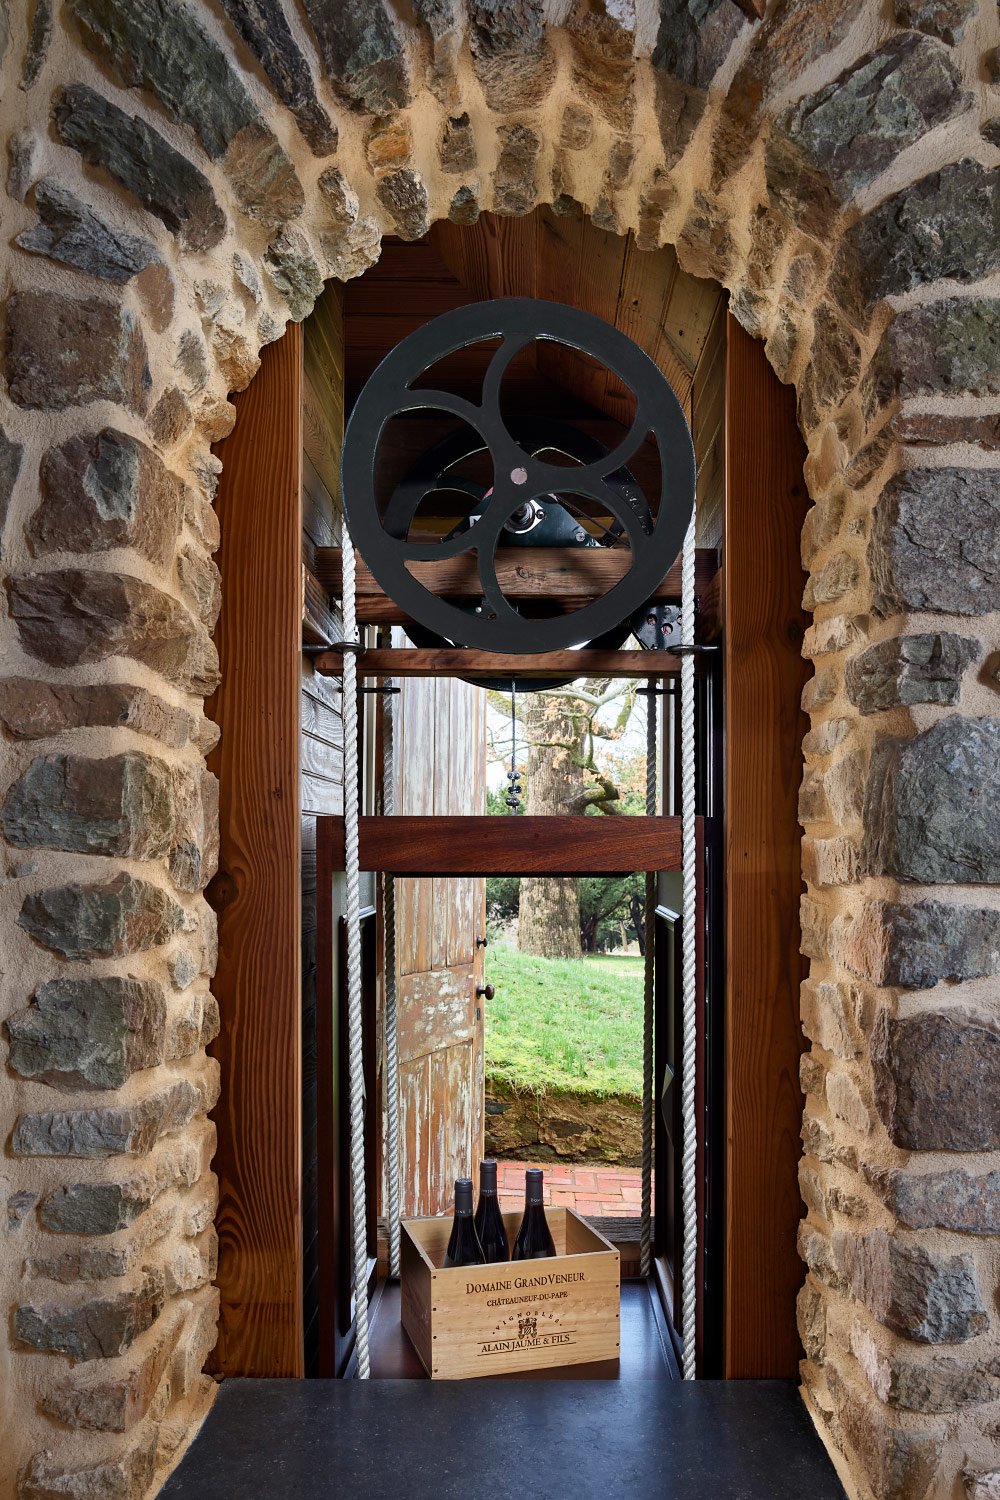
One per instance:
(441, 768)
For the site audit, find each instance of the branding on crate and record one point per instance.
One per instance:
(534, 1328)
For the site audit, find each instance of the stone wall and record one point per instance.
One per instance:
(181, 178)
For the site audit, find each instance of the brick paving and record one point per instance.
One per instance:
(594, 1191)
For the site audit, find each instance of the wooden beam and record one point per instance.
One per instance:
(490, 664)
(518, 845)
(256, 892)
(319, 624)
(559, 578)
(764, 674)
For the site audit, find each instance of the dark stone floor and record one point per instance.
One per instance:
(494, 1439)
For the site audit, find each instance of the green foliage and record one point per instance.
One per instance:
(606, 901)
(502, 900)
(570, 1024)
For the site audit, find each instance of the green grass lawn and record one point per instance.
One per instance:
(571, 1024)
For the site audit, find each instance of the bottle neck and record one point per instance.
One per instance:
(463, 1198)
(488, 1179)
(533, 1190)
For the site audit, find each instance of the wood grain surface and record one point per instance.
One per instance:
(563, 578)
(490, 664)
(563, 845)
(256, 892)
(764, 673)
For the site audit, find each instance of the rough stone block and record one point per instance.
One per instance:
(99, 1328)
(363, 55)
(404, 197)
(74, 616)
(126, 1476)
(833, 861)
(927, 1297)
(164, 48)
(845, 1101)
(941, 348)
(943, 18)
(34, 710)
(103, 490)
(293, 270)
(927, 1070)
(264, 27)
(692, 45)
(910, 669)
(117, 804)
(69, 351)
(514, 186)
(89, 1033)
(100, 1208)
(458, 153)
(838, 575)
(70, 232)
(107, 920)
(935, 542)
(810, 1307)
(262, 177)
(931, 813)
(830, 145)
(128, 1130)
(512, 60)
(899, 1464)
(822, 525)
(827, 1017)
(146, 165)
(88, 1400)
(946, 225)
(917, 946)
(953, 1199)
(938, 1384)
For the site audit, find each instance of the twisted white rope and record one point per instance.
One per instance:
(689, 1012)
(389, 966)
(355, 1053)
(648, 977)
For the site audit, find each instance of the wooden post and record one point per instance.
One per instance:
(257, 890)
(765, 673)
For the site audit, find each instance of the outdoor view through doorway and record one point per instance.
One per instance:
(564, 1028)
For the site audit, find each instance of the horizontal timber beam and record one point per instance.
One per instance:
(516, 845)
(556, 579)
(491, 664)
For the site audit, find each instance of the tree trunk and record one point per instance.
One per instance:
(549, 924)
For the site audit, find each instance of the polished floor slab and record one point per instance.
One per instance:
(546, 1439)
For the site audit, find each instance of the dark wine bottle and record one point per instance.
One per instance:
(534, 1240)
(464, 1248)
(489, 1219)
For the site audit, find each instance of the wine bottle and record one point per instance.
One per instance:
(489, 1219)
(534, 1240)
(464, 1248)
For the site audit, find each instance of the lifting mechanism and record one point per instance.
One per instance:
(490, 526)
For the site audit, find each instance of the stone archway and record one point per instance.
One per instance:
(192, 175)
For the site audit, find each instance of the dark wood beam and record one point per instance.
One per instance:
(256, 891)
(766, 503)
(560, 579)
(490, 664)
(518, 845)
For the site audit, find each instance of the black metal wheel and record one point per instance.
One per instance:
(523, 479)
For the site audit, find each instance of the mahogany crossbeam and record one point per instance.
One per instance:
(557, 579)
(492, 664)
(580, 845)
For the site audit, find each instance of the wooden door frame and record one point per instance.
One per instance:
(259, 1159)
(764, 673)
(257, 891)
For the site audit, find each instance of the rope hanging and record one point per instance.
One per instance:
(648, 979)
(389, 965)
(689, 1013)
(355, 1055)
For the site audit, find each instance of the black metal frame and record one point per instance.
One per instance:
(654, 537)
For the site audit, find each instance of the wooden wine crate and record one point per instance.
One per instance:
(517, 1315)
